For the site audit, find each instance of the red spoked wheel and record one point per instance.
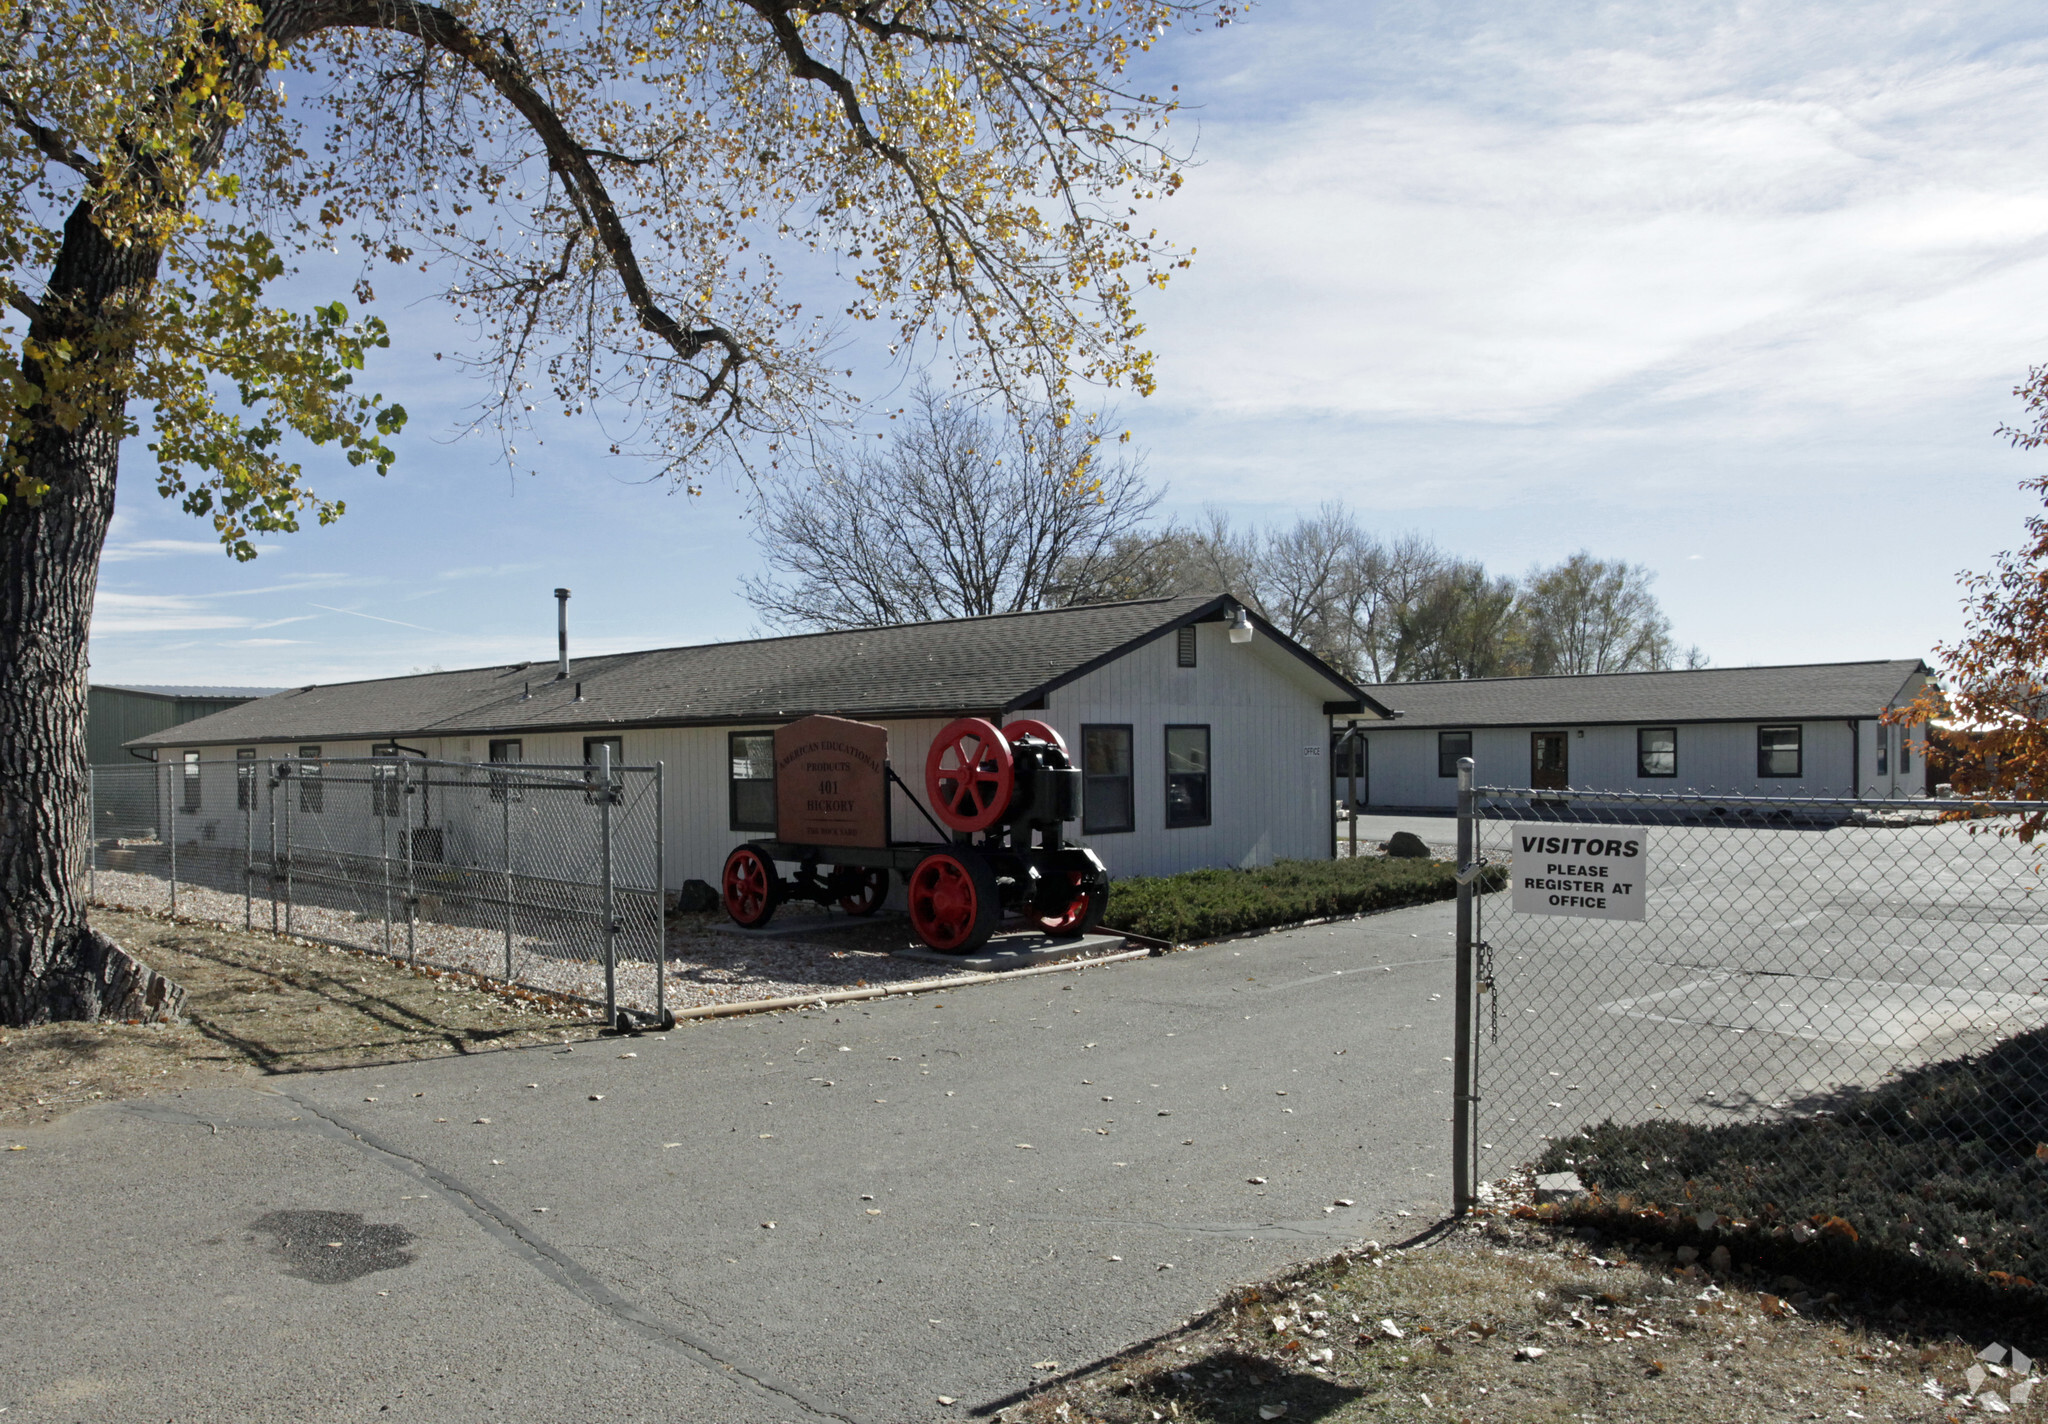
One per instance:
(953, 904)
(750, 887)
(874, 889)
(1084, 901)
(1015, 732)
(969, 774)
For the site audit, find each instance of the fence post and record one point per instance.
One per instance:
(288, 855)
(505, 801)
(270, 789)
(248, 799)
(611, 928)
(660, 902)
(380, 784)
(1351, 794)
(412, 884)
(1462, 1096)
(174, 790)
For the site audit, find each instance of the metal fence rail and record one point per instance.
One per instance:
(546, 876)
(1793, 956)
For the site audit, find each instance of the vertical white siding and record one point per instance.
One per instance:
(1712, 757)
(1269, 789)
(1269, 778)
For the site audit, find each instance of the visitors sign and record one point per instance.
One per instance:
(1596, 872)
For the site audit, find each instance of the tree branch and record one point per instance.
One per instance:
(500, 65)
(54, 144)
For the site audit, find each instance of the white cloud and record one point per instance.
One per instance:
(157, 613)
(130, 549)
(1646, 239)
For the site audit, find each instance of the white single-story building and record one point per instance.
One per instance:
(1198, 747)
(1806, 730)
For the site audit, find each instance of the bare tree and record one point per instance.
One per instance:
(960, 515)
(1589, 615)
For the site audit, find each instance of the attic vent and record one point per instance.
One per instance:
(1187, 646)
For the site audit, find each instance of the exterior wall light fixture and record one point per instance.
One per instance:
(1241, 626)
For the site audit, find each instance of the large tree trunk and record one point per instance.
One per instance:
(53, 966)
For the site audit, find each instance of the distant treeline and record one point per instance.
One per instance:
(960, 514)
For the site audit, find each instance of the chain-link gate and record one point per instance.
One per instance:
(1796, 959)
(547, 876)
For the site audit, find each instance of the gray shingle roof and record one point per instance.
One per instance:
(909, 670)
(1806, 691)
(154, 689)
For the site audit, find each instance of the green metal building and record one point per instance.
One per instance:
(117, 715)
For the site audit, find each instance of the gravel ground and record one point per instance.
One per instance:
(706, 965)
(1499, 1321)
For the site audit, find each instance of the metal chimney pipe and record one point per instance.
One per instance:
(561, 635)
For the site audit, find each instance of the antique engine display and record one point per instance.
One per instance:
(1004, 795)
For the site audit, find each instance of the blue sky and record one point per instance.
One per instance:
(1738, 292)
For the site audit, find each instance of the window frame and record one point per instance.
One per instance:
(1446, 760)
(1905, 749)
(1763, 755)
(312, 778)
(1185, 646)
(618, 745)
(387, 796)
(245, 778)
(1642, 754)
(192, 799)
(1207, 774)
(501, 782)
(1092, 822)
(734, 783)
(1884, 748)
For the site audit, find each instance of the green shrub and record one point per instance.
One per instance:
(1933, 1181)
(1202, 904)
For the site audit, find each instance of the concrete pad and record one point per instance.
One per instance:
(1019, 950)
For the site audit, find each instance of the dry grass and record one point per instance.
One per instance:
(257, 1002)
(1499, 1323)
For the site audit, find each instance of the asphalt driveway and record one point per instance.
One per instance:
(837, 1214)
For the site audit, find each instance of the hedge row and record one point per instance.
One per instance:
(1936, 1180)
(1202, 904)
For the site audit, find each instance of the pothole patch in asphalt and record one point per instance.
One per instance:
(331, 1247)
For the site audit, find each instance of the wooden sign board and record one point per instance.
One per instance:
(831, 786)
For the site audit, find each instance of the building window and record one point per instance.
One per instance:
(1346, 755)
(312, 789)
(1449, 747)
(592, 751)
(1187, 776)
(1905, 749)
(1884, 750)
(191, 764)
(1186, 648)
(1777, 751)
(1656, 751)
(505, 750)
(387, 795)
(1107, 804)
(245, 778)
(751, 791)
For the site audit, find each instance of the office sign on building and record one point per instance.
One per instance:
(1595, 872)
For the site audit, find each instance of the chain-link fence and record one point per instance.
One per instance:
(1761, 1008)
(547, 876)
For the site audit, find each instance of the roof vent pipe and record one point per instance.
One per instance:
(561, 635)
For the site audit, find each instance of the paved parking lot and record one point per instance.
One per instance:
(962, 1188)
(1775, 968)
